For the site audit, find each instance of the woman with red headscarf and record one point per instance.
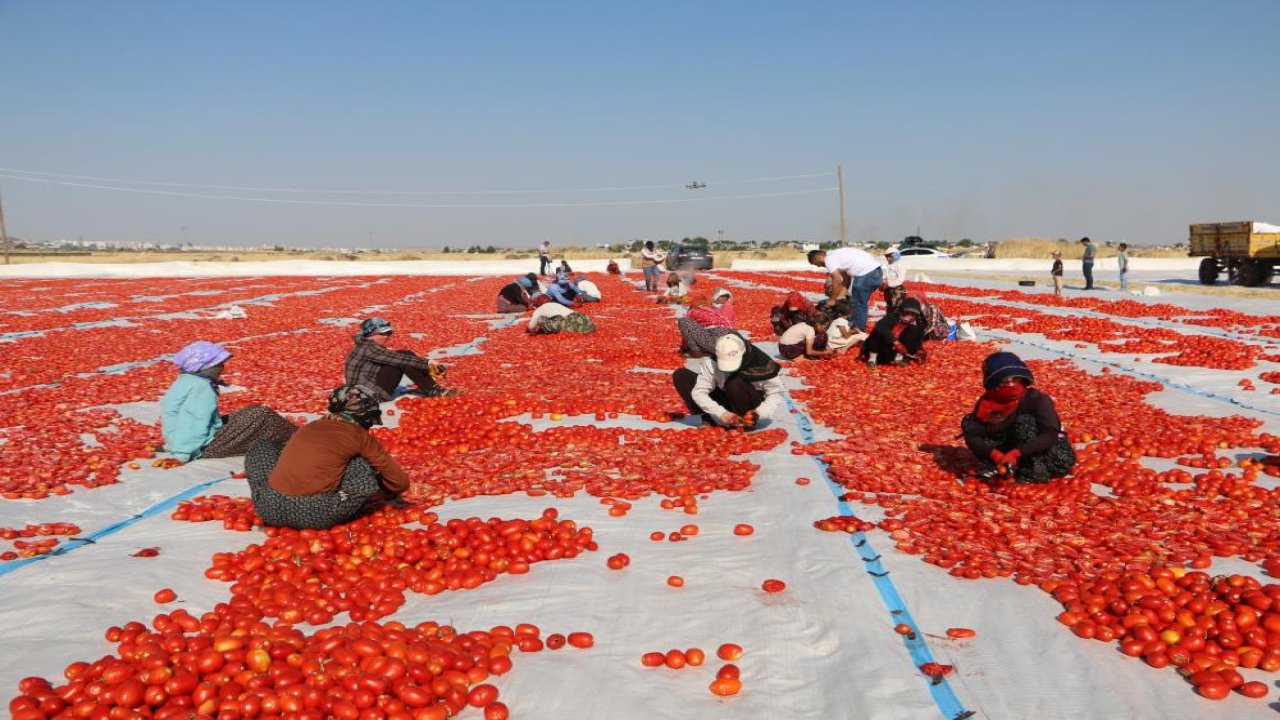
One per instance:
(795, 308)
(1014, 428)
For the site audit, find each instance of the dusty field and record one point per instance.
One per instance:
(1041, 247)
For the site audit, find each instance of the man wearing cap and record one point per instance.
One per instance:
(1014, 428)
(863, 273)
(1086, 262)
(372, 364)
(737, 388)
(895, 276)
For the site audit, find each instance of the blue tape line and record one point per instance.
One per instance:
(1137, 373)
(943, 695)
(80, 542)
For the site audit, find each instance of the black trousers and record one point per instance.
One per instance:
(737, 395)
(544, 262)
(388, 378)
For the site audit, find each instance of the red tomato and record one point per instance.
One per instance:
(729, 651)
(1213, 690)
(726, 686)
(1254, 689)
(482, 695)
(773, 586)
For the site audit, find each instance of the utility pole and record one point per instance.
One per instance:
(844, 236)
(4, 234)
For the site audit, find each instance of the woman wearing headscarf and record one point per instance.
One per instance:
(331, 470)
(706, 322)
(894, 277)
(897, 337)
(514, 296)
(794, 308)
(936, 325)
(737, 388)
(189, 418)
(549, 318)
(1014, 428)
(374, 365)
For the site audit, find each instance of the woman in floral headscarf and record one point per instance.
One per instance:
(706, 322)
(189, 418)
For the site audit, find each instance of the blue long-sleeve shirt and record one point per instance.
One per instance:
(563, 292)
(189, 416)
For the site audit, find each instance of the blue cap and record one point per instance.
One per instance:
(374, 326)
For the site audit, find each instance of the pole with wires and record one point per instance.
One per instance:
(4, 234)
(844, 237)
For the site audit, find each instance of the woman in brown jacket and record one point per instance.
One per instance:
(329, 471)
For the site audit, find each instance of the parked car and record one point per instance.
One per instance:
(922, 251)
(690, 257)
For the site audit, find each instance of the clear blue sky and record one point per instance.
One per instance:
(986, 120)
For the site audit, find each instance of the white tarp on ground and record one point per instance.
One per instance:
(1261, 227)
(824, 648)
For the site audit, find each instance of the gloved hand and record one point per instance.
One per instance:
(1011, 458)
(997, 457)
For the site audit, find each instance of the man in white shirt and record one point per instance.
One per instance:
(544, 257)
(894, 277)
(864, 276)
(737, 388)
(651, 260)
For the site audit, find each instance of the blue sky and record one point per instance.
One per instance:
(988, 120)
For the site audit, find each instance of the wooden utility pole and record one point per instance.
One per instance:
(844, 236)
(4, 234)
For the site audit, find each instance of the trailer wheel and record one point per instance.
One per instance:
(1208, 271)
(1253, 273)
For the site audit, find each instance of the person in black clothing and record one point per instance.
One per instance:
(514, 296)
(1015, 428)
(897, 337)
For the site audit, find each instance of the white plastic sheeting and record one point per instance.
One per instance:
(823, 648)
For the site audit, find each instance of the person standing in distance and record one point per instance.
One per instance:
(1055, 272)
(1086, 265)
(864, 275)
(544, 257)
(1122, 261)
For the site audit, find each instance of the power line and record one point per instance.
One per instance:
(316, 191)
(342, 203)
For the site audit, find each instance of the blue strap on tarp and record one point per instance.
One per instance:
(943, 695)
(79, 542)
